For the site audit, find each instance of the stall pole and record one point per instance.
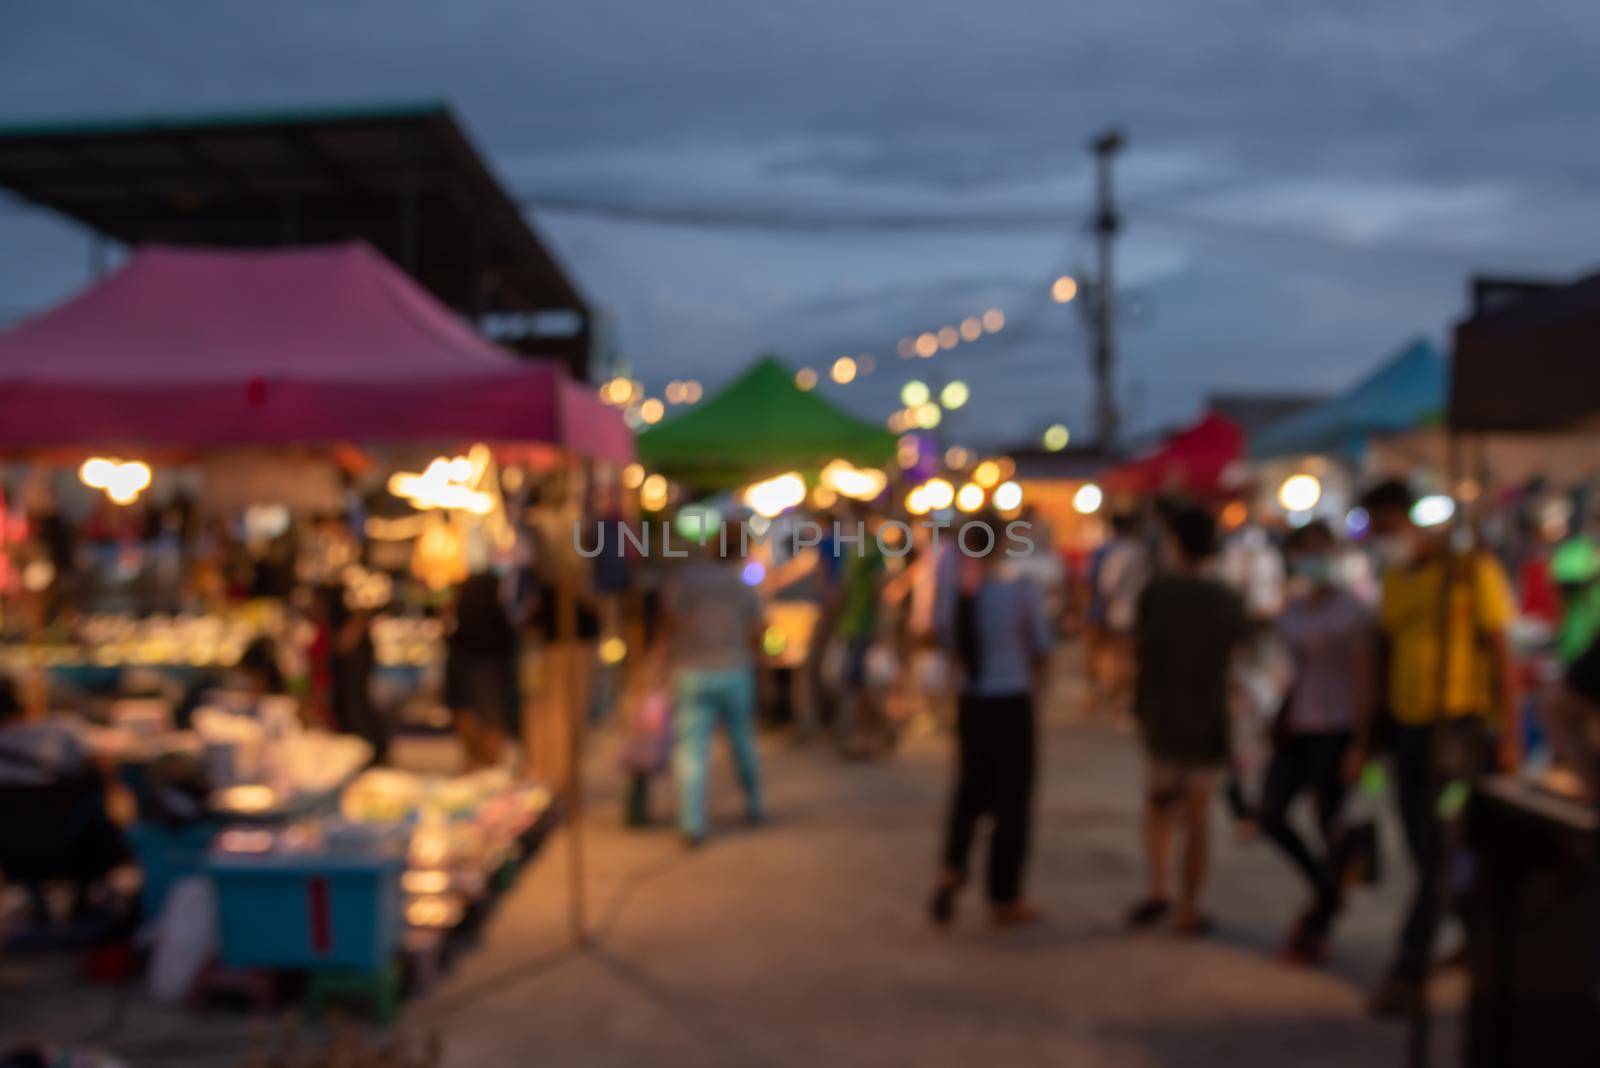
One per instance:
(572, 665)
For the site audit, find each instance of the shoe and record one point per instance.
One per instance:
(1148, 913)
(1197, 926)
(942, 908)
(1397, 998)
(1015, 914)
(1304, 947)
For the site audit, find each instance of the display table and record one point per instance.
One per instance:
(1535, 946)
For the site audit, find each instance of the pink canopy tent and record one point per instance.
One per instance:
(206, 348)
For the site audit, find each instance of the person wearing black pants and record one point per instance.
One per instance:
(1332, 639)
(995, 626)
(1314, 763)
(994, 776)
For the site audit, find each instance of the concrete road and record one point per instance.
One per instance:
(804, 942)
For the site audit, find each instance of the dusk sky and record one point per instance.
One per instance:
(1306, 187)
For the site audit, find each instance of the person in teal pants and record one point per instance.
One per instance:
(706, 700)
(714, 632)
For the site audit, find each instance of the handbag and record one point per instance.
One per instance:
(648, 745)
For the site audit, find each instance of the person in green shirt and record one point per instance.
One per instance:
(860, 727)
(1575, 569)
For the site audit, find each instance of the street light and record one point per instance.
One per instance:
(1299, 493)
(1088, 499)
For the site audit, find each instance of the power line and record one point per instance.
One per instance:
(796, 219)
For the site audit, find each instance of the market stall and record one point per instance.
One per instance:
(783, 448)
(1405, 391)
(760, 424)
(1200, 459)
(184, 357)
(1524, 363)
(1345, 439)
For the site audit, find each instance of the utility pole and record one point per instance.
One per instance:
(1106, 225)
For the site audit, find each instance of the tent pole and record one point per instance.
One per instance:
(577, 719)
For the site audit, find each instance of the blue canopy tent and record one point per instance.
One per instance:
(1407, 391)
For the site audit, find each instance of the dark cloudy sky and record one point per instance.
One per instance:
(1307, 185)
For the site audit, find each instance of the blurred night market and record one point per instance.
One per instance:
(846, 534)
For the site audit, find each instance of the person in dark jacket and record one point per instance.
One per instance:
(481, 670)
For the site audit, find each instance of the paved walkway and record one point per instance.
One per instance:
(804, 943)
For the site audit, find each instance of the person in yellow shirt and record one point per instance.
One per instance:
(1450, 692)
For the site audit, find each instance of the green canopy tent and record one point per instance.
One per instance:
(761, 424)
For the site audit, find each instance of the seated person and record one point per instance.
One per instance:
(53, 820)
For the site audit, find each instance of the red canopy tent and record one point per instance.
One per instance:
(1194, 460)
(333, 343)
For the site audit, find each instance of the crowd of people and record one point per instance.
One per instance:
(1392, 651)
(1379, 665)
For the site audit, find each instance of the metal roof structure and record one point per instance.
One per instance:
(1526, 359)
(402, 177)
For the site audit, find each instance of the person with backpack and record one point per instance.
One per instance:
(1450, 695)
(994, 625)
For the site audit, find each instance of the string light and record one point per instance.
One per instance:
(938, 493)
(805, 379)
(970, 497)
(927, 345)
(653, 493)
(861, 484)
(121, 481)
(954, 394)
(1064, 289)
(1008, 496)
(1056, 437)
(1299, 493)
(971, 328)
(844, 370)
(994, 320)
(949, 337)
(1088, 498)
(776, 495)
(448, 484)
(913, 393)
(652, 410)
